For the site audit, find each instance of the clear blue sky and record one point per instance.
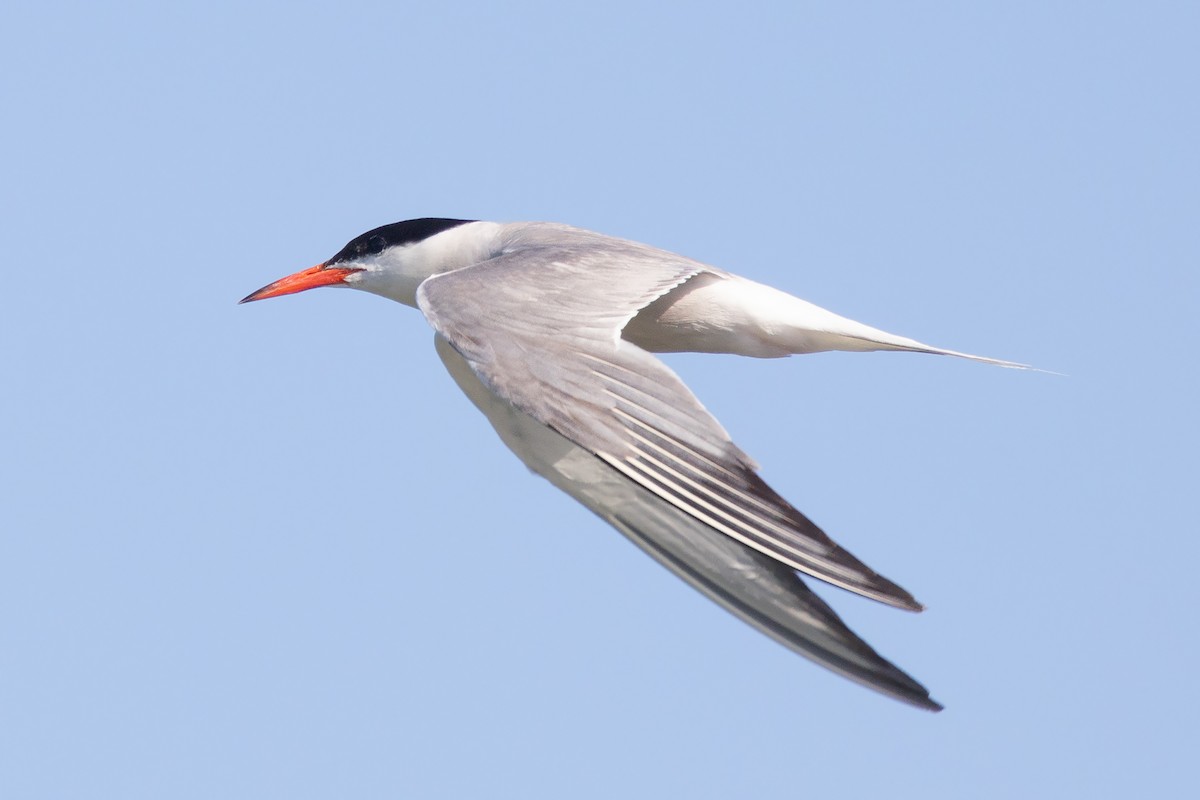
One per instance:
(270, 551)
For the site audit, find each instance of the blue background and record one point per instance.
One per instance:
(270, 551)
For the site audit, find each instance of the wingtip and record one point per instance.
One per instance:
(903, 687)
(931, 705)
(887, 592)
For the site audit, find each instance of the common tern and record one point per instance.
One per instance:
(549, 330)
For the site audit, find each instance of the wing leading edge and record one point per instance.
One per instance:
(541, 328)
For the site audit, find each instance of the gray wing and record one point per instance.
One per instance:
(756, 588)
(541, 327)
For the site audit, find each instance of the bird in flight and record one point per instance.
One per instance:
(549, 331)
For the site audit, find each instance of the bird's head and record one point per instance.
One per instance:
(391, 260)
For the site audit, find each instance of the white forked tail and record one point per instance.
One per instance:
(715, 313)
(851, 335)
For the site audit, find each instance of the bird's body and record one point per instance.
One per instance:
(710, 311)
(548, 329)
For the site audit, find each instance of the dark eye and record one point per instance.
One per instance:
(369, 247)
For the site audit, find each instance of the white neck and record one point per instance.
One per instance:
(398, 271)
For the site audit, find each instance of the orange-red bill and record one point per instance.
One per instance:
(300, 282)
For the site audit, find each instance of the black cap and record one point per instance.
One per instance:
(398, 233)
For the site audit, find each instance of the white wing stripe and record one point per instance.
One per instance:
(737, 516)
(688, 451)
(677, 496)
(706, 485)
